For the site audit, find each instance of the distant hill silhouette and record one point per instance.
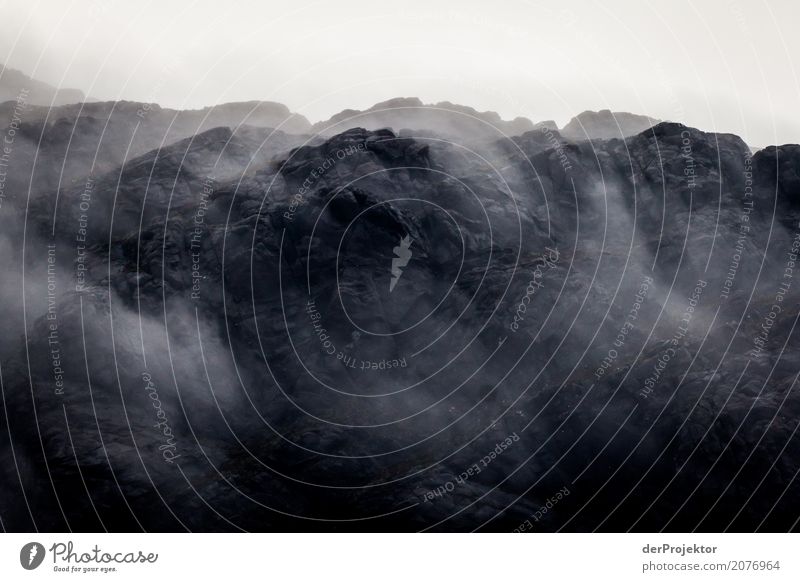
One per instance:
(606, 124)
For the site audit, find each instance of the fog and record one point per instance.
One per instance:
(723, 65)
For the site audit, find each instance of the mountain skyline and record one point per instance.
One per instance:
(588, 124)
(397, 113)
(38, 93)
(243, 281)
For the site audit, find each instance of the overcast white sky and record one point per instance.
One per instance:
(724, 65)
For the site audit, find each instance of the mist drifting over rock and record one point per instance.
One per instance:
(410, 317)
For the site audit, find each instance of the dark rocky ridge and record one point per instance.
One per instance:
(444, 119)
(290, 429)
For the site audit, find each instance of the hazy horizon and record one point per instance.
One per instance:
(548, 64)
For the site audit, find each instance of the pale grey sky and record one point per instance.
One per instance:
(724, 65)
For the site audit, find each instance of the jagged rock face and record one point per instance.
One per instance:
(343, 328)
